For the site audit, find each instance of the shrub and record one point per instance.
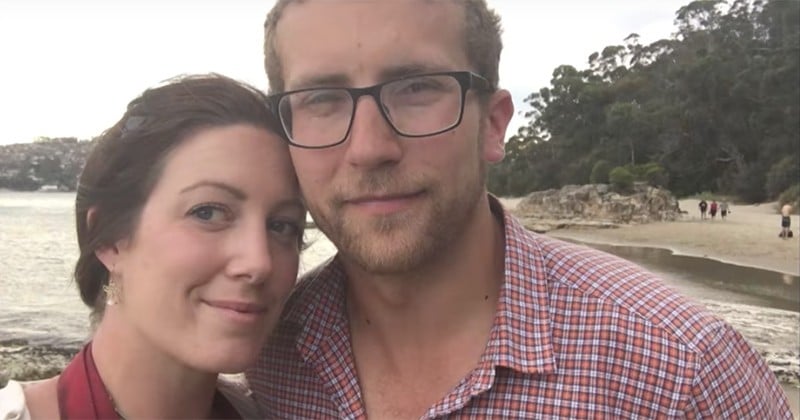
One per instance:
(621, 178)
(782, 175)
(791, 196)
(749, 183)
(654, 174)
(600, 172)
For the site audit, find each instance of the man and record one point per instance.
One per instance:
(439, 303)
(724, 208)
(703, 206)
(786, 221)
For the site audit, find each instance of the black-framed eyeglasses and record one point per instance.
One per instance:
(414, 106)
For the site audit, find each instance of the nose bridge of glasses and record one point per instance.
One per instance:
(375, 93)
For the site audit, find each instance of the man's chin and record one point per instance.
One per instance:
(386, 252)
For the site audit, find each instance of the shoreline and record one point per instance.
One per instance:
(747, 238)
(583, 235)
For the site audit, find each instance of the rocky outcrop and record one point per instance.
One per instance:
(23, 362)
(596, 205)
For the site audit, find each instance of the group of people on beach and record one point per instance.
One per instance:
(190, 219)
(710, 210)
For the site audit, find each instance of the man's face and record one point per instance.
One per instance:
(389, 203)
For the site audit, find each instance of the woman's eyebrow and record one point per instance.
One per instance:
(235, 192)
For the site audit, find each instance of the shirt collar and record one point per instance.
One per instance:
(521, 338)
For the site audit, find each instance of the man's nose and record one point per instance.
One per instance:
(372, 141)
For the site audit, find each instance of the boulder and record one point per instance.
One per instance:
(599, 204)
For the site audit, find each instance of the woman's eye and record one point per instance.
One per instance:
(284, 228)
(209, 213)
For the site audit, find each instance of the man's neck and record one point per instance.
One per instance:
(146, 383)
(415, 337)
(451, 295)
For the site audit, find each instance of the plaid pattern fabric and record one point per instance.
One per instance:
(577, 334)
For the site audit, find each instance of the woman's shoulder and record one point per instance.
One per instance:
(29, 399)
(12, 402)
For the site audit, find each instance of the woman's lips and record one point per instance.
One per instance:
(239, 311)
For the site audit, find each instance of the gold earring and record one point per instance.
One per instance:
(112, 290)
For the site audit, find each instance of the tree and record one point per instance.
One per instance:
(716, 106)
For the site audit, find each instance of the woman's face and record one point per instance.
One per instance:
(215, 253)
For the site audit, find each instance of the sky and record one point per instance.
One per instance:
(69, 68)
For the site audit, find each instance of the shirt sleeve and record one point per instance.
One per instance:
(734, 381)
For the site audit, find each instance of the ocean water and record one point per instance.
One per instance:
(40, 307)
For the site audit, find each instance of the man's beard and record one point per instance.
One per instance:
(407, 241)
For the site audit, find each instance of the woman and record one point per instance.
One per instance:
(189, 225)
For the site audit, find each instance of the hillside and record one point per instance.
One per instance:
(44, 163)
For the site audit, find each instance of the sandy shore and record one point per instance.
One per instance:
(749, 236)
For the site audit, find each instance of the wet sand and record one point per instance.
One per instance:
(748, 236)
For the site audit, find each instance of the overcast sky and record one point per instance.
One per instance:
(68, 68)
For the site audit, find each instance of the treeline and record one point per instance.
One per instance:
(715, 108)
(55, 162)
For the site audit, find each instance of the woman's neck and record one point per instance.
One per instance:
(144, 381)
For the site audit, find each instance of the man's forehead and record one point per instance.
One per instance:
(321, 44)
(323, 9)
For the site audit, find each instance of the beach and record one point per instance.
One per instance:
(748, 236)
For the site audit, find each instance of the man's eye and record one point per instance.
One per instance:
(419, 85)
(322, 97)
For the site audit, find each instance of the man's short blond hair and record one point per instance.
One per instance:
(482, 41)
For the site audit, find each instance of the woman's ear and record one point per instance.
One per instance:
(107, 255)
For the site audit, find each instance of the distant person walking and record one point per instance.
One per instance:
(786, 221)
(712, 210)
(703, 207)
(723, 210)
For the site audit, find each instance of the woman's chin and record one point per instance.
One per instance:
(231, 360)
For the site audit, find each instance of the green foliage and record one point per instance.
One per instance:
(654, 174)
(749, 184)
(717, 106)
(782, 175)
(46, 161)
(600, 172)
(791, 196)
(621, 178)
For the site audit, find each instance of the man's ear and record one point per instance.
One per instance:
(499, 111)
(107, 255)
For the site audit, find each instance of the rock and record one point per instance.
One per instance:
(27, 363)
(597, 204)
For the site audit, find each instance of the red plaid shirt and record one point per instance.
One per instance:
(577, 334)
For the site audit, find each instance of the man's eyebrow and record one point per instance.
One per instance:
(235, 192)
(398, 72)
(389, 73)
(323, 80)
